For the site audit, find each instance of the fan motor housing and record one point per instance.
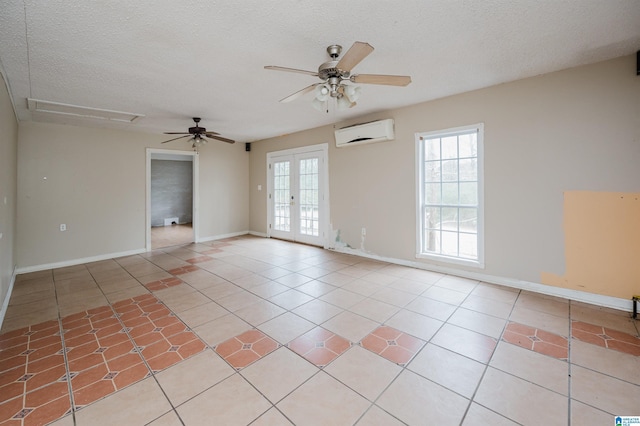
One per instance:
(328, 70)
(196, 130)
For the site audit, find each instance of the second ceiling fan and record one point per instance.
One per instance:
(334, 72)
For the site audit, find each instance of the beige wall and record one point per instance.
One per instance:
(95, 184)
(8, 147)
(577, 129)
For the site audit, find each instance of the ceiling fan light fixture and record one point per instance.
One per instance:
(320, 105)
(352, 92)
(343, 103)
(322, 92)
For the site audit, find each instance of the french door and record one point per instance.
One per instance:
(297, 194)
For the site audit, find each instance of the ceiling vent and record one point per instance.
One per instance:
(36, 105)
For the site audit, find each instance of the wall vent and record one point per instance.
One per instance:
(37, 105)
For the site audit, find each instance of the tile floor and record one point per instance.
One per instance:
(265, 332)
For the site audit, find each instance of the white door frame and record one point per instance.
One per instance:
(196, 195)
(324, 197)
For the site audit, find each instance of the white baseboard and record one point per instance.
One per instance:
(258, 234)
(5, 302)
(222, 237)
(73, 262)
(565, 293)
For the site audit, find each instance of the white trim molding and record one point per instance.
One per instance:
(564, 293)
(222, 236)
(5, 302)
(73, 262)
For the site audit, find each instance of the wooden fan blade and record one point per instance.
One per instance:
(210, 133)
(177, 133)
(299, 93)
(356, 53)
(276, 68)
(220, 138)
(388, 80)
(175, 139)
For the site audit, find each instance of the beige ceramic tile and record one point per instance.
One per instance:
(617, 320)
(137, 404)
(333, 403)
(394, 297)
(585, 415)
(65, 421)
(603, 392)
(541, 320)
(418, 401)
(378, 417)
(238, 300)
(273, 417)
(317, 311)
(316, 288)
(445, 295)
(374, 310)
(128, 293)
(192, 376)
(460, 284)
(431, 308)
(169, 419)
(231, 402)
(290, 299)
(351, 326)
(540, 369)
(363, 287)
(481, 323)
(202, 314)
(286, 327)
(415, 324)
(487, 306)
(477, 415)
(259, 312)
(543, 303)
(363, 371)
(221, 329)
(342, 298)
(465, 342)
(410, 286)
(221, 290)
(520, 400)
(279, 373)
(496, 292)
(337, 279)
(187, 301)
(449, 369)
(269, 289)
(613, 363)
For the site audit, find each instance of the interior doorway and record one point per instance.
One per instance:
(171, 198)
(298, 194)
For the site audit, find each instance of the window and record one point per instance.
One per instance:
(450, 195)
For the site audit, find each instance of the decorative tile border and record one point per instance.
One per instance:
(246, 348)
(536, 340)
(183, 270)
(605, 337)
(163, 283)
(319, 346)
(392, 344)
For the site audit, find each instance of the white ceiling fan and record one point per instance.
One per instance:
(334, 73)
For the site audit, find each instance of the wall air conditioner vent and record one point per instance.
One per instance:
(359, 134)
(37, 105)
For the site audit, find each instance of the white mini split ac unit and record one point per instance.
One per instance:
(375, 131)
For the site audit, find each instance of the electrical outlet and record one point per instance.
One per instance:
(63, 227)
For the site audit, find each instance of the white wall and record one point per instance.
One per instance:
(95, 184)
(8, 147)
(577, 129)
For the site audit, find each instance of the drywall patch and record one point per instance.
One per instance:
(602, 243)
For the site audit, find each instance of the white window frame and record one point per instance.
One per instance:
(420, 137)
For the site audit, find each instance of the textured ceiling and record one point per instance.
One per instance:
(170, 60)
